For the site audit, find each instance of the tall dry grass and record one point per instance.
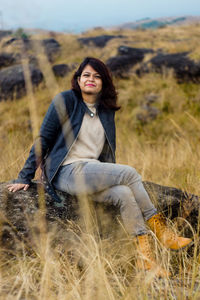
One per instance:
(71, 260)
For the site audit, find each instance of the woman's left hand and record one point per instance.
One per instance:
(14, 187)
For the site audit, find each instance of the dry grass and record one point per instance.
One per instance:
(84, 266)
(165, 151)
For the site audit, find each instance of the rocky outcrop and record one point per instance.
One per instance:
(51, 46)
(60, 70)
(18, 44)
(147, 112)
(8, 59)
(9, 42)
(98, 41)
(125, 59)
(184, 68)
(12, 81)
(18, 210)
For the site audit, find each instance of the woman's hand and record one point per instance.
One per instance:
(14, 187)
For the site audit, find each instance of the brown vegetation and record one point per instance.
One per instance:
(165, 150)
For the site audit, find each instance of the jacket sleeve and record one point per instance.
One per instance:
(44, 142)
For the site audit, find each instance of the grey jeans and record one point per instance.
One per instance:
(115, 184)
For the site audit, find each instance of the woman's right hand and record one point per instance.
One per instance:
(14, 187)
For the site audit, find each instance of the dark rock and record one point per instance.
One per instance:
(4, 33)
(139, 52)
(12, 82)
(184, 68)
(126, 58)
(9, 42)
(33, 61)
(151, 98)
(60, 70)
(174, 202)
(18, 44)
(52, 48)
(98, 41)
(147, 112)
(19, 209)
(7, 59)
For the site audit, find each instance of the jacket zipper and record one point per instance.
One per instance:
(71, 147)
(110, 146)
(66, 155)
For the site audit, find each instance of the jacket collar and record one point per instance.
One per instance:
(86, 109)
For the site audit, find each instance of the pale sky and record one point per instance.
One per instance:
(79, 15)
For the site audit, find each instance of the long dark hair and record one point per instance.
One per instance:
(108, 95)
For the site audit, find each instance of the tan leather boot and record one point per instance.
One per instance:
(145, 260)
(165, 235)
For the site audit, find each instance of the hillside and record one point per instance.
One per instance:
(177, 103)
(158, 133)
(149, 23)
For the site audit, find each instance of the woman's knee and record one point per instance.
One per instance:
(122, 195)
(123, 191)
(132, 173)
(117, 195)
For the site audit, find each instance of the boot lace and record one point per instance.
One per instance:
(163, 229)
(146, 251)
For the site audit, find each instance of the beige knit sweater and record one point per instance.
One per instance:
(90, 141)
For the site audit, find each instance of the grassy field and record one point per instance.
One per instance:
(165, 151)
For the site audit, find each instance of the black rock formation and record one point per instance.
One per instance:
(184, 68)
(147, 112)
(60, 70)
(8, 59)
(12, 81)
(126, 58)
(9, 42)
(51, 46)
(19, 209)
(98, 41)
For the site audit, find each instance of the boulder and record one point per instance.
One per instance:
(125, 59)
(12, 82)
(51, 46)
(9, 42)
(7, 59)
(184, 68)
(60, 70)
(19, 209)
(17, 43)
(147, 112)
(98, 41)
(125, 50)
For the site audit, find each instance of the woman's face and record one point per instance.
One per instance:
(90, 81)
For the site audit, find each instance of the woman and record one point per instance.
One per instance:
(76, 147)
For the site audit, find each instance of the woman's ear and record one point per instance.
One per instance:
(78, 79)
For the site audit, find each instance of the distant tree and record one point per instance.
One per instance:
(20, 33)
